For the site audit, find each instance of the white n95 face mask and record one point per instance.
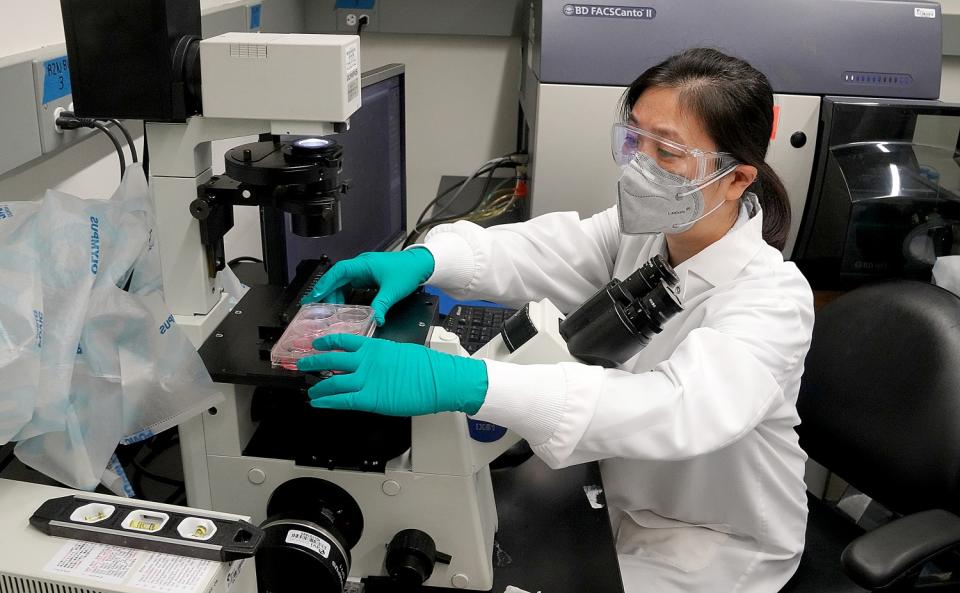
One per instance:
(652, 200)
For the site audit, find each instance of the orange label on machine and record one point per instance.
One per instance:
(776, 122)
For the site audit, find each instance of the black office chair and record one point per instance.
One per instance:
(880, 407)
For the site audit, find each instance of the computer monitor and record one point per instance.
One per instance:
(374, 209)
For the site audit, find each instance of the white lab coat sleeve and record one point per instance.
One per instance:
(555, 256)
(719, 383)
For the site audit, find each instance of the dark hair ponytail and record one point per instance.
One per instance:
(734, 101)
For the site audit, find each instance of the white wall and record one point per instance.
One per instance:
(29, 25)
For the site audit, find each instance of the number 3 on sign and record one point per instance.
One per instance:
(56, 79)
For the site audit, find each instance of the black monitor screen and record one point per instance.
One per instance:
(373, 210)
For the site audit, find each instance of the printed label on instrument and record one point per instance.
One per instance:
(925, 13)
(615, 12)
(309, 541)
(352, 64)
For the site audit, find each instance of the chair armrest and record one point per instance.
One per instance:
(881, 557)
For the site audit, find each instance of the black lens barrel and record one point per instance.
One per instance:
(622, 317)
(649, 275)
(311, 528)
(304, 175)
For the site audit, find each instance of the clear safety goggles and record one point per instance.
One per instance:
(686, 165)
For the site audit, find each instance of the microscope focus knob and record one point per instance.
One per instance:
(200, 209)
(411, 556)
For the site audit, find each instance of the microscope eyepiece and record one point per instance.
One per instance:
(622, 317)
(648, 277)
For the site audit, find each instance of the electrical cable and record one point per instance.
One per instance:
(155, 476)
(146, 154)
(420, 230)
(362, 22)
(155, 447)
(510, 160)
(244, 258)
(483, 192)
(116, 144)
(495, 163)
(486, 183)
(441, 195)
(477, 204)
(412, 235)
(8, 459)
(498, 207)
(493, 197)
(129, 138)
(67, 120)
(417, 231)
(178, 497)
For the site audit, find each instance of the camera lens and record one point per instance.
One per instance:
(311, 528)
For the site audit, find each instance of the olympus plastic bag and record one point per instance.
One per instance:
(89, 355)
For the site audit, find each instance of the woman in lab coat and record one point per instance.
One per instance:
(701, 463)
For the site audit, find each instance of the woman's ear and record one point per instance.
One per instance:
(740, 179)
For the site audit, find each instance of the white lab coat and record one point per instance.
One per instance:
(700, 460)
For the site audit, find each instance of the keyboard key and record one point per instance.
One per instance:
(475, 326)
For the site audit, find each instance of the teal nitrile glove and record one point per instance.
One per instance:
(394, 379)
(396, 273)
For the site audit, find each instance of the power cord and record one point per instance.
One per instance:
(514, 160)
(510, 160)
(492, 201)
(362, 22)
(8, 458)
(139, 457)
(244, 258)
(146, 154)
(127, 136)
(67, 120)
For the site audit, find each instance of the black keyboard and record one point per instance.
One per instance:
(475, 326)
